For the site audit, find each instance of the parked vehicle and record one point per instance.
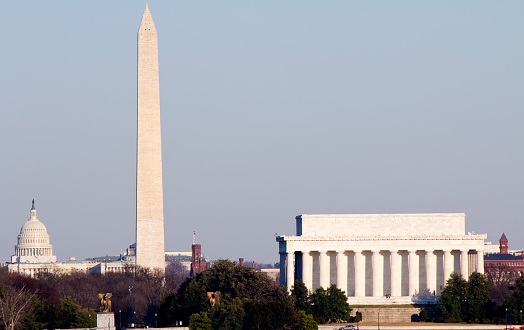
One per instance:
(348, 327)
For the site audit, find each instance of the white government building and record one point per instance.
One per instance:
(34, 253)
(380, 258)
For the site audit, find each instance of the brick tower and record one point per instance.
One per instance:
(196, 259)
(503, 244)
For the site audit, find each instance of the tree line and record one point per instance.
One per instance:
(225, 296)
(70, 300)
(472, 300)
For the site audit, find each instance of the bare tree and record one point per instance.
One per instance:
(176, 273)
(15, 305)
(500, 277)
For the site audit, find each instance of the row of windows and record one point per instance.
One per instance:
(27, 241)
(507, 264)
(114, 269)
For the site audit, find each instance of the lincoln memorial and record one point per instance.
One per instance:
(380, 258)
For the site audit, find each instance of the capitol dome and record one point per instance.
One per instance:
(33, 242)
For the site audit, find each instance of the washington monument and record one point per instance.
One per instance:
(150, 251)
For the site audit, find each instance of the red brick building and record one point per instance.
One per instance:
(198, 264)
(503, 264)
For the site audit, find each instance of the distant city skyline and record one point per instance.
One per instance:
(269, 110)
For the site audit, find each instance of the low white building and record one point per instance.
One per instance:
(380, 258)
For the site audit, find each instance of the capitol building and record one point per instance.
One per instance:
(33, 242)
(34, 253)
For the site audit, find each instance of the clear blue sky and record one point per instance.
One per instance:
(269, 109)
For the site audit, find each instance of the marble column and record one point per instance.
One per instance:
(324, 269)
(396, 274)
(431, 272)
(413, 272)
(360, 274)
(378, 274)
(464, 263)
(342, 272)
(290, 274)
(480, 262)
(307, 270)
(448, 265)
(283, 261)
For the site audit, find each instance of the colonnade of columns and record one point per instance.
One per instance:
(377, 272)
(33, 252)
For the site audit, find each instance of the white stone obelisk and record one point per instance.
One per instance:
(149, 196)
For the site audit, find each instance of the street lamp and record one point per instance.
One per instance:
(378, 323)
(120, 316)
(157, 319)
(506, 318)
(131, 304)
(521, 318)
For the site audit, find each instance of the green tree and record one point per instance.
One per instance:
(86, 318)
(264, 314)
(228, 315)
(191, 298)
(306, 321)
(478, 300)
(37, 319)
(338, 301)
(330, 304)
(320, 305)
(453, 299)
(233, 281)
(300, 296)
(515, 301)
(236, 286)
(200, 321)
(69, 315)
(423, 316)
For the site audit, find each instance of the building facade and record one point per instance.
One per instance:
(380, 258)
(504, 266)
